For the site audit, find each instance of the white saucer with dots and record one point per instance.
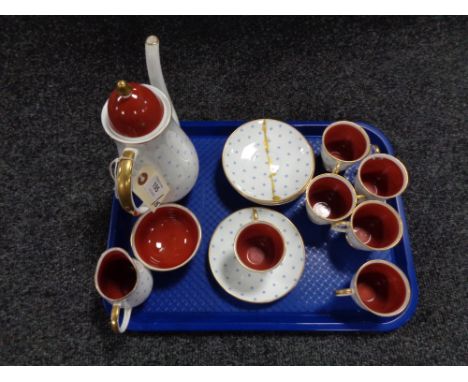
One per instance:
(250, 286)
(268, 162)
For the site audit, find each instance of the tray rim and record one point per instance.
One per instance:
(268, 326)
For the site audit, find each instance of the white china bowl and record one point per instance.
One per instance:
(268, 162)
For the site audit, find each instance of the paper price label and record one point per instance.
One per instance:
(150, 187)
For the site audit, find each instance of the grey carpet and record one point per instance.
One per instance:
(407, 76)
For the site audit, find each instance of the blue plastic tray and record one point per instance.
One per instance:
(189, 299)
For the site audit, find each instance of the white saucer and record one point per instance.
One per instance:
(250, 286)
(268, 162)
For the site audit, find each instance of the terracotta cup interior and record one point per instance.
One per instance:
(330, 198)
(376, 225)
(167, 238)
(382, 288)
(259, 246)
(116, 276)
(345, 142)
(382, 176)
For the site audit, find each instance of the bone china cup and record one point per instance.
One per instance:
(374, 226)
(381, 177)
(166, 239)
(123, 282)
(380, 288)
(343, 144)
(329, 198)
(259, 246)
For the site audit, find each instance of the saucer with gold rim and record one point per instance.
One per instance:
(248, 285)
(268, 162)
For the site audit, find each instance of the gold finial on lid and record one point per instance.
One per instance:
(123, 88)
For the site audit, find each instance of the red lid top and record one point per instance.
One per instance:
(134, 110)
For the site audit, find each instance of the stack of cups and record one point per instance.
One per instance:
(361, 212)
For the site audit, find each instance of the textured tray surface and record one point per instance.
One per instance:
(190, 299)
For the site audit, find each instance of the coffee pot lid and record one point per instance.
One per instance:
(134, 110)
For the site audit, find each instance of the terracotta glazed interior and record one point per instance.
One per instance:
(116, 275)
(381, 288)
(260, 246)
(382, 176)
(167, 237)
(330, 198)
(345, 142)
(375, 225)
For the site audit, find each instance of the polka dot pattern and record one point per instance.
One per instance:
(248, 166)
(173, 155)
(255, 287)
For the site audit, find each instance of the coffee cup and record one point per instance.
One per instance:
(166, 239)
(123, 282)
(380, 288)
(329, 198)
(259, 246)
(381, 177)
(373, 226)
(344, 143)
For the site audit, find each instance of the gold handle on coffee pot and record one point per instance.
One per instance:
(123, 182)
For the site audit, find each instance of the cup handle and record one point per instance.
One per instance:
(337, 167)
(360, 198)
(254, 214)
(376, 149)
(344, 292)
(342, 226)
(123, 182)
(114, 318)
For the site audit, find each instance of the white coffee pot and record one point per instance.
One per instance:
(141, 120)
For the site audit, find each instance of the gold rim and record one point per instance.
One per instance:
(395, 213)
(240, 297)
(340, 178)
(355, 125)
(405, 281)
(265, 202)
(140, 219)
(400, 165)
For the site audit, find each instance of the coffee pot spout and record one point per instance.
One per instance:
(153, 65)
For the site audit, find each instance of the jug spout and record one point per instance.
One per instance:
(153, 65)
